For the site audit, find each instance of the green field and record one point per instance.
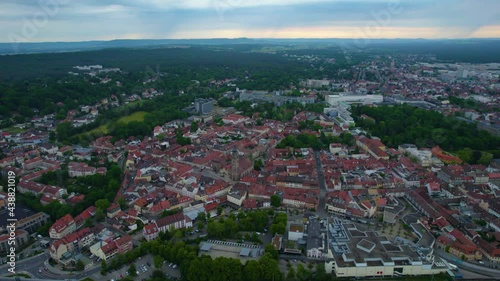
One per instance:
(104, 129)
(14, 130)
(136, 116)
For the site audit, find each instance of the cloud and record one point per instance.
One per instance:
(95, 19)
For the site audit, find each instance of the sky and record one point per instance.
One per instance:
(84, 20)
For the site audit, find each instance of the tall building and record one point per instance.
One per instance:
(204, 106)
(235, 162)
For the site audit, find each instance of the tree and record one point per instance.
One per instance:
(132, 270)
(272, 251)
(275, 201)
(158, 261)
(102, 204)
(79, 266)
(302, 273)
(321, 274)
(99, 214)
(104, 267)
(251, 271)
(122, 203)
(89, 222)
(269, 269)
(219, 210)
(202, 216)
(194, 126)
(63, 131)
(258, 164)
(291, 274)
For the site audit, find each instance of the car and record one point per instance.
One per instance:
(481, 262)
(149, 264)
(170, 265)
(137, 272)
(174, 266)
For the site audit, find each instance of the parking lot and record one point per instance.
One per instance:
(145, 268)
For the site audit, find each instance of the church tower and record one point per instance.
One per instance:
(235, 164)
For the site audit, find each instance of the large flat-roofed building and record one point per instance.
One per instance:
(275, 97)
(243, 252)
(334, 100)
(357, 253)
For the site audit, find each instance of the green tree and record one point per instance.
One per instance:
(269, 269)
(63, 131)
(99, 214)
(202, 216)
(194, 126)
(79, 266)
(275, 201)
(104, 267)
(272, 251)
(321, 274)
(132, 270)
(291, 274)
(251, 272)
(158, 261)
(219, 210)
(302, 273)
(102, 204)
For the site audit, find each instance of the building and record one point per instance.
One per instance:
(242, 252)
(62, 227)
(175, 221)
(277, 98)
(295, 232)
(65, 250)
(334, 100)
(204, 106)
(356, 253)
(21, 237)
(317, 83)
(31, 223)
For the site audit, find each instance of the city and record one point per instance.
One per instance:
(250, 159)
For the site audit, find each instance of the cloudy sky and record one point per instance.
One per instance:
(81, 20)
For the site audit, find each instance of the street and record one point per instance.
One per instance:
(321, 212)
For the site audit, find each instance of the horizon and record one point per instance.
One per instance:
(256, 38)
(71, 21)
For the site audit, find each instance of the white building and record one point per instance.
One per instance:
(334, 100)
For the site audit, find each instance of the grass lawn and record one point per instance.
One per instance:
(136, 116)
(20, 275)
(14, 130)
(104, 129)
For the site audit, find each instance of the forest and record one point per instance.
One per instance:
(397, 125)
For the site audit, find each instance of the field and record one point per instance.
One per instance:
(136, 116)
(104, 129)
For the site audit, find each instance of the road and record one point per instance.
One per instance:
(30, 265)
(468, 266)
(322, 187)
(33, 264)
